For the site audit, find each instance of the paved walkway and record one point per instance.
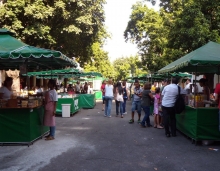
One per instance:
(89, 141)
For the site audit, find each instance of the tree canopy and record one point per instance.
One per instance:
(177, 29)
(128, 66)
(71, 26)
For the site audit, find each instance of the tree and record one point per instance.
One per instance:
(180, 27)
(100, 62)
(144, 29)
(125, 66)
(67, 25)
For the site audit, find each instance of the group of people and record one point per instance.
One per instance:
(119, 92)
(163, 98)
(77, 89)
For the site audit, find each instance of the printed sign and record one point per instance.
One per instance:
(76, 104)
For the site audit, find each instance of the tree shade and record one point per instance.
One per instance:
(14, 53)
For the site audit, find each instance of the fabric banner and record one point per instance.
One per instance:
(199, 123)
(87, 101)
(98, 95)
(21, 125)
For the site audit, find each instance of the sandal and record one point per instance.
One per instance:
(131, 121)
(159, 127)
(49, 138)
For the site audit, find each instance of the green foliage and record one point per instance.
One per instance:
(100, 62)
(144, 28)
(128, 66)
(67, 25)
(180, 27)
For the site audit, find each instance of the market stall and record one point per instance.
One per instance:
(21, 125)
(73, 101)
(21, 117)
(200, 121)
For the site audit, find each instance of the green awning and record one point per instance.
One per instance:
(205, 59)
(55, 72)
(46, 77)
(14, 53)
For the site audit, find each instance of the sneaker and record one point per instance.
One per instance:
(139, 121)
(131, 121)
(105, 115)
(109, 116)
(125, 113)
(49, 138)
(122, 116)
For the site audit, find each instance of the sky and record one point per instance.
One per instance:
(117, 13)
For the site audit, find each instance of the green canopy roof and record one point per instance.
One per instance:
(205, 59)
(14, 53)
(54, 72)
(66, 73)
(47, 77)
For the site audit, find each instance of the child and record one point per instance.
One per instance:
(156, 109)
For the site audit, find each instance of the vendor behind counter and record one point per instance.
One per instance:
(206, 91)
(6, 90)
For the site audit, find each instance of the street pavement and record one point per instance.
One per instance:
(88, 141)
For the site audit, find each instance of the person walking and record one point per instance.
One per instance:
(169, 94)
(157, 105)
(50, 109)
(125, 96)
(108, 98)
(136, 103)
(103, 94)
(119, 99)
(145, 104)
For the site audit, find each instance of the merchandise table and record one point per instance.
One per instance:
(199, 123)
(21, 125)
(74, 101)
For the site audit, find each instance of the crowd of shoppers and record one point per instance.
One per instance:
(162, 98)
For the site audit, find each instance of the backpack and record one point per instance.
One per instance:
(180, 103)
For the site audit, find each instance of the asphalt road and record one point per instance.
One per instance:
(88, 141)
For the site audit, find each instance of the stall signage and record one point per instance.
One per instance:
(76, 104)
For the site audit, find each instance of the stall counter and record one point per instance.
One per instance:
(199, 123)
(74, 101)
(87, 101)
(21, 125)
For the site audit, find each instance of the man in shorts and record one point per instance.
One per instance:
(136, 103)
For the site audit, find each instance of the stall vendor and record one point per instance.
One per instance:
(206, 90)
(5, 90)
(217, 98)
(188, 86)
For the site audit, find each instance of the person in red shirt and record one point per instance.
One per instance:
(217, 98)
(103, 94)
(217, 94)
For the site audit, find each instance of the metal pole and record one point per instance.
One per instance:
(195, 88)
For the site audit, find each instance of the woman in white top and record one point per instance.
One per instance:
(108, 98)
(119, 99)
(5, 90)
